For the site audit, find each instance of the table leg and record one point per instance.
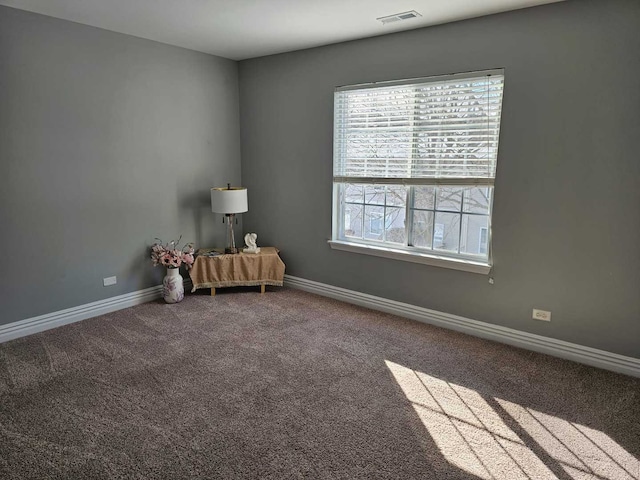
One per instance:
(262, 288)
(213, 291)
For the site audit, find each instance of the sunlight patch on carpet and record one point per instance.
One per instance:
(581, 451)
(493, 438)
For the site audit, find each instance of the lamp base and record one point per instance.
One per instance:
(231, 241)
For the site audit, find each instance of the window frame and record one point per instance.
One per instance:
(408, 252)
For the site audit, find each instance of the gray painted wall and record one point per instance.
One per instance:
(566, 225)
(106, 141)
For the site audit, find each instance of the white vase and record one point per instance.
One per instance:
(172, 286)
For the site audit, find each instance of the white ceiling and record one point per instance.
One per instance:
(240, 29)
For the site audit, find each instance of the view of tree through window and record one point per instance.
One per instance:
(415, 161)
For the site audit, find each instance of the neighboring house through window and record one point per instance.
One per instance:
(414, 168)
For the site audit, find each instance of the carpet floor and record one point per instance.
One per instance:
(294, 385)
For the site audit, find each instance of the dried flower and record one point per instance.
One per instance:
(171, 255)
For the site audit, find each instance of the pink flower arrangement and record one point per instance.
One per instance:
(170, 255)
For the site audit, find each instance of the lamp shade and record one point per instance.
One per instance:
(229, 200)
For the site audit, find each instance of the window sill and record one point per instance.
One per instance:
(426, 259)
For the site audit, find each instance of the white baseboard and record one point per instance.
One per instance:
(48, 321)
(529, 341)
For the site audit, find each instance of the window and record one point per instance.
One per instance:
(414, 168)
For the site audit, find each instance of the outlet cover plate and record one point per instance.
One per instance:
(543, 315)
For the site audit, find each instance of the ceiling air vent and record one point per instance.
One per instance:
(398, 17)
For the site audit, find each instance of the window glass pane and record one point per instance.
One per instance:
(483, 246)
(449, 198)
(446, 231)
(477, 199)
(475, 237)
(352, 221)
(465, 232)
(374, 194)
(423, 197)
(422, 228)
(353, 193)
(396, 195)
(373, 222)
(395, 225)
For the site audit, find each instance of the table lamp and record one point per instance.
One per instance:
(229, 201)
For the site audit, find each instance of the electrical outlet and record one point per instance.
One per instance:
(541, 315)
(109, 281)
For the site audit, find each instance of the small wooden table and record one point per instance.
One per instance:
(240, 269)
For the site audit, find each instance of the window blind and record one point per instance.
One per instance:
(441, 130)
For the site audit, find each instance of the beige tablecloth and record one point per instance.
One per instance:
(241, 269)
